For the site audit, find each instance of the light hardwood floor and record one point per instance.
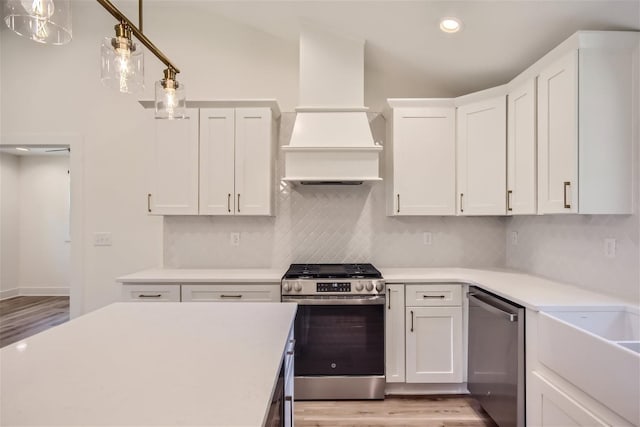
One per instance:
(21, 317)
(433, 411)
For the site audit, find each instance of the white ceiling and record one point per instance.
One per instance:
(499, 39)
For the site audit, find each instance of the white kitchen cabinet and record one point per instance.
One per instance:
(585, 128)
(552, 407)
(151, 292)
(420, 157)
(481, 157)
(434, 344)
(433, 333)
(237, 161)
(174, 178)
(231, 292)
(521, 150)
(219, 161)
(395, 334)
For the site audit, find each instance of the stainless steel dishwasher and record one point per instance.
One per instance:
(496, 357)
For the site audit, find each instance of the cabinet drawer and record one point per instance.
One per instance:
(151, 292)
(232, 293)
(433, 295)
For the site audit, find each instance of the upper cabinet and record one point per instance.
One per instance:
(174, 176)
(236, 161)
(220, 161)
(481, 156)
(521, 149)
(420, 158)
(585, 127)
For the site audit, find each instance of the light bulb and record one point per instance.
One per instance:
(41, 11)
(170, 99)
(39, 8)
(123, 57)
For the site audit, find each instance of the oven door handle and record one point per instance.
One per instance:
(359, 300)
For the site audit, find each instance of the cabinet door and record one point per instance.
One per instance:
(521, 150)
(424, 161)
(254, 161)
(434, 344)
(558, 136)
(217, 135)
(394, 334)
(482, 162)
(151, 292)
(551, 407)
(174, 177)
(231, 292)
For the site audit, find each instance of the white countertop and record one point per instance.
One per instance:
(212, 364)
(529, 291)
(168, 275)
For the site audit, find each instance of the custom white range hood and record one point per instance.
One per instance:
(331, 141)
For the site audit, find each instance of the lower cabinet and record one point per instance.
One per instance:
(176, 292)
(424, 333)
(151, 292)
(231, 292)
(552, 407)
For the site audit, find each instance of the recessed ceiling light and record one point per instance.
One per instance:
(22, 149)
(450, 25)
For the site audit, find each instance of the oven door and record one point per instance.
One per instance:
(338, 336)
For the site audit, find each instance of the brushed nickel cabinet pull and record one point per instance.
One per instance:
(461, 195)
(398, 209)
(411, 320)
(433, 296)
(231, 296)
(566, 205)
(238, 202)
(388, 299)
(149, 202)
(149, 296)
(229, 202)
(509, 194)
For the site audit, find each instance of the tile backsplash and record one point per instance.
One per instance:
(570, 248)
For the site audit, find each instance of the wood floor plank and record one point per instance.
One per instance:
(21, 317)
(394, 411)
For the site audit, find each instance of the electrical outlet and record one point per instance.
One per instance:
(610, 248)
(235, 239)
(102, 239)
(426, 238)
(514, 237)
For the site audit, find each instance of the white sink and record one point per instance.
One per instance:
(598, 350)
(618, 324)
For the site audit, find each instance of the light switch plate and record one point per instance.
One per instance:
(427, 238)
(514, 237)
(102, 238)
(610, 248)
(234, 239)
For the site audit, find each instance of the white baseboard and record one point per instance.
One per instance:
(421, 389)
(9, 293)
(44, 292)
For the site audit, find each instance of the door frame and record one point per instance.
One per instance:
(75, 142)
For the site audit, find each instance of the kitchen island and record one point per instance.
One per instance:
(212, 364)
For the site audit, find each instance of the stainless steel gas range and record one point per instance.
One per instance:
(339, 330)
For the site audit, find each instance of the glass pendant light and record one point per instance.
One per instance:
(122, 62)
(170, 99)
(43, 21)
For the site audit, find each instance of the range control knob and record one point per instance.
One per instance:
(297, 286)
(379, 287)
(359, 287)
(369, 287)
(286, 287)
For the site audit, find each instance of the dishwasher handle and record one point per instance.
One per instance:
(491, 308)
